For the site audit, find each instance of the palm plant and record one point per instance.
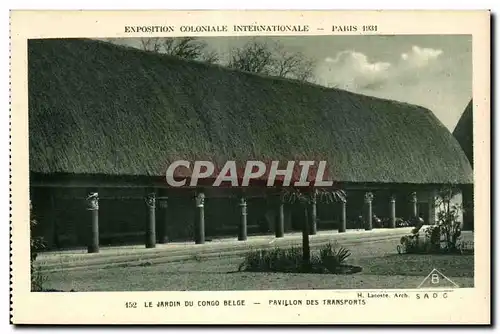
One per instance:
(305, 197)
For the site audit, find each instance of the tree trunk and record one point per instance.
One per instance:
(306, 251)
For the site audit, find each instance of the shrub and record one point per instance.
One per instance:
(434, 242)
(36, 244)
(377, 222)
(400, 222)
(433, 235)
(411, 243)
(333, 255)
(450, 227)
(465, 247)
(282, 260)
(328, 259)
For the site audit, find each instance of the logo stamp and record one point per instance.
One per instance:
(437, 279)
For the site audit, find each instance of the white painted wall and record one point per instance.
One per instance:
(456, 200)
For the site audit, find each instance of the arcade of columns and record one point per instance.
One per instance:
(199, 237)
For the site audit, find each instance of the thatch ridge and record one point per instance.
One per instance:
(167, 57)
(99, 108)
(464, 134)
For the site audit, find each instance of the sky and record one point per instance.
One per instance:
(433, 71)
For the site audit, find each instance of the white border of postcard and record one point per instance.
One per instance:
(466, 306)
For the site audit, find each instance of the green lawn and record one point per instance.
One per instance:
(420, 265)
(382, 268)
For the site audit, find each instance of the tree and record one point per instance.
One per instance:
(293, 64)
(448, 216)
(189, 48)
(183, 47)
(151, 44)
(305, 198)
(253, 57)
(259, 57)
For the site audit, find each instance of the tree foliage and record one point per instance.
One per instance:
(189, 48)
(307, 196)
(272, 60)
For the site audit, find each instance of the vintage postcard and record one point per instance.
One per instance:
(250, 167)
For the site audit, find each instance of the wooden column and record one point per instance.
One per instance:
(54, 236)
(279, 229)
(414, 205)
(288, 218)
(93, 231)
(151, 220)
(163, 202)
(306, 249)
(199, 237)
(313, 223)
(392, 211)
(343, 216)
(368, 211)
(242, 231)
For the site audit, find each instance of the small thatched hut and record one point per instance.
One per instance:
(108, 119)
(464, 135)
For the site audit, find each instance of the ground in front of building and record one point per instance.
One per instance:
(382, 267)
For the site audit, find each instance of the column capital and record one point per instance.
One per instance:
(243, 205)
(92, 201)
(200, 199)
(368, 197)
(413, 197)
(314, 197)
(150, 200)
(392, 198)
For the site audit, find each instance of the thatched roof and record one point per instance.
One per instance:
(99, 108)
(463, 132)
